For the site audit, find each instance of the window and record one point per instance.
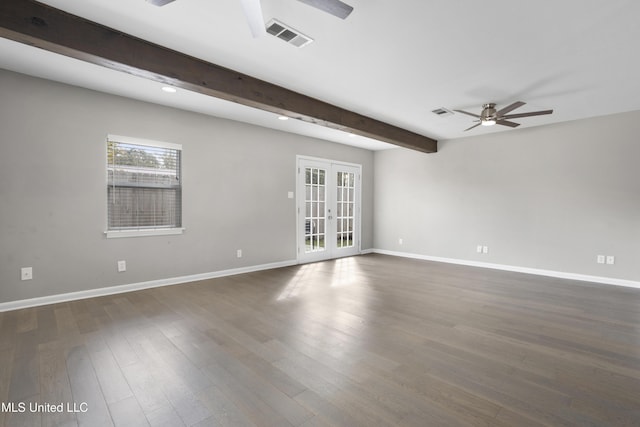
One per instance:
(144, 187)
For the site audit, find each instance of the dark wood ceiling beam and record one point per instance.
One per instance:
(39, 25)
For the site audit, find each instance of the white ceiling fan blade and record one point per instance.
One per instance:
(159, 2)
(253, 13)
(334, 7)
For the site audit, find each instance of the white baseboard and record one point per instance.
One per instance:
(112, 290)
(537, 271)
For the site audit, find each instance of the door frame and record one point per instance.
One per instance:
(300, 200)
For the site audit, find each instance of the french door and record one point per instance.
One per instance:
(328, 209)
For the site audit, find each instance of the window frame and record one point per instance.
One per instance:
(143, 231)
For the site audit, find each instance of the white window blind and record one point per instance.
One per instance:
(144, 185)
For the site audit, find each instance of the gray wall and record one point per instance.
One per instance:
(53, 190)
(549, 197)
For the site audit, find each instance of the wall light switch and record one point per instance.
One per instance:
(600, 259)
(290, 195)
(239, 253)
(400, 241)
(26, 273)
(122, 266)
(611, 259)
(479, 249)
(485, 249)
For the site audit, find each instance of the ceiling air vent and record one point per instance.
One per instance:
(288, 34)
(442, 112)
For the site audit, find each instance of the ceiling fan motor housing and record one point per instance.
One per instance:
(488, 112)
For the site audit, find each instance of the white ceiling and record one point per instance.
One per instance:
(394, 61)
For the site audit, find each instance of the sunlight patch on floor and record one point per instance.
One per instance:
(299, 282)
(346, 271)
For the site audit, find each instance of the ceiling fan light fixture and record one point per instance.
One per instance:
(488, 122)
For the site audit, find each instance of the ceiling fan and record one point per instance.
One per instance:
(253, 11)
(489, 116)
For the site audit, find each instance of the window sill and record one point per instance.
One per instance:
(115, 234)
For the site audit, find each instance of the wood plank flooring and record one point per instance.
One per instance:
(365, 341)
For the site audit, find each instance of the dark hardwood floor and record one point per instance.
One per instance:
(365, 341)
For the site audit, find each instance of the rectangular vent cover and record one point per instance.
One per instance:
(288, 34)
(442, 112)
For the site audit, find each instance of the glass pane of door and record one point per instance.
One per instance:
(345, 193)
(315, 209)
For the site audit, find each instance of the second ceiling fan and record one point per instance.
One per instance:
(490, 116)
(253, 11)
(255, 19)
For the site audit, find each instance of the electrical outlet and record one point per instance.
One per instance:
(122, 266)
(600, 259)
(239, 253)
(485, 249)
(479, 249)
(611, 259)
(26, 273)
(290, 194)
